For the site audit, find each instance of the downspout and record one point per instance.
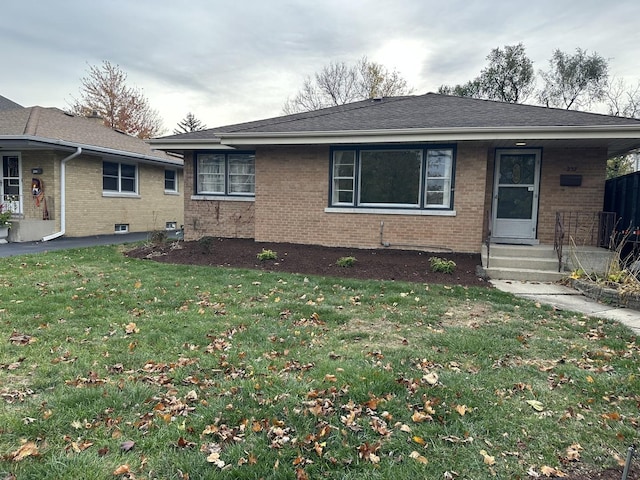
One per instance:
(63, 195)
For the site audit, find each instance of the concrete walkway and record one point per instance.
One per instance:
(566, 298)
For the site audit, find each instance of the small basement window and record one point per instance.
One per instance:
(121, 228)
(171, 226)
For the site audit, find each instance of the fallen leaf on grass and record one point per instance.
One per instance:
(131, 328)
(420, 417)
(462, 409)
(536, 405)
(431, 378)
(487, 459)
(127, 446)
(418, 458)
(29, 449)
(21, 339)
(122, 469)
(573, 452)
(551, 472)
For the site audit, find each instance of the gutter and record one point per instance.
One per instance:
(92, 149)
(432, 134)
(63, 195)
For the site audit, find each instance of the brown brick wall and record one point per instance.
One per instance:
(217, 218)
(292, 188)
(292, 192)
(589, 197)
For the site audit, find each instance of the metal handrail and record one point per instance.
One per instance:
(558, 239)
(594, 229)
(488, 240)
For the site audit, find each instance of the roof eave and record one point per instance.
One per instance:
(63, 144)
(431, 135)
(178, 145)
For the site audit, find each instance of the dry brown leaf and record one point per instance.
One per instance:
(29, 449)
(131, 328)
(122, 469)
(431, 378)
(127, 446)
(419, 417)
(487, 459)
(462, 409)
(418, 458)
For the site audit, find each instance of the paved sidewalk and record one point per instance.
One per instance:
(567, 298)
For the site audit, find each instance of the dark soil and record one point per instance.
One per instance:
(376, 264)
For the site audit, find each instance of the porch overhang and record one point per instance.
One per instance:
(29, 142)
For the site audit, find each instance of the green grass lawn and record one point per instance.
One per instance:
(119, 368)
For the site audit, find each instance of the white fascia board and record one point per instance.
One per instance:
(89, 149)
(433, 135)
(204, 144)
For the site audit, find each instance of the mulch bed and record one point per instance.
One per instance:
(373, 264)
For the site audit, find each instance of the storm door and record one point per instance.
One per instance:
(515, 195)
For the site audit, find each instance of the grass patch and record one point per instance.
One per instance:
(111, 364)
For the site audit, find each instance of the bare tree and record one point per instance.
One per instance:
(623, 100)
(574, 81)
(338, 83)
(189, 124)
(104, 91)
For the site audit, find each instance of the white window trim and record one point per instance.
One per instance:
(225, 198)
(443, 212)
(421, 208)
(226, 195)
(120, 192)
(173, 191)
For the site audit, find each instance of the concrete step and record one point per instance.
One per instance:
(522, 251)
(528, 263)
(524, 274)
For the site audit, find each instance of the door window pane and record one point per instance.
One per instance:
(517, 169)
(515, 202)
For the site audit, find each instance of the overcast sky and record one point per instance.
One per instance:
(236, 61)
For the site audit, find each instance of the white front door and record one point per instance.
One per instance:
(515, 195)
(10, 192)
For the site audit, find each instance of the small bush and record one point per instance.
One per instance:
(158, 237)
(206, 243)
(346, 261)
(441, 265)
(267, 255)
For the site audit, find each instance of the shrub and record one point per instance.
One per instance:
(346, 261)
(206, 243)
(158, 237)
(267, 255)
(441, 265)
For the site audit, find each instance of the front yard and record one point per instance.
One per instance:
(114, 367)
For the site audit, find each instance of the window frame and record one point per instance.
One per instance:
(119, 179)
(175, 180)
(334, 203)
(227, 176)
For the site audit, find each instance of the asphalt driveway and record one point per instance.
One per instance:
(62, 243)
